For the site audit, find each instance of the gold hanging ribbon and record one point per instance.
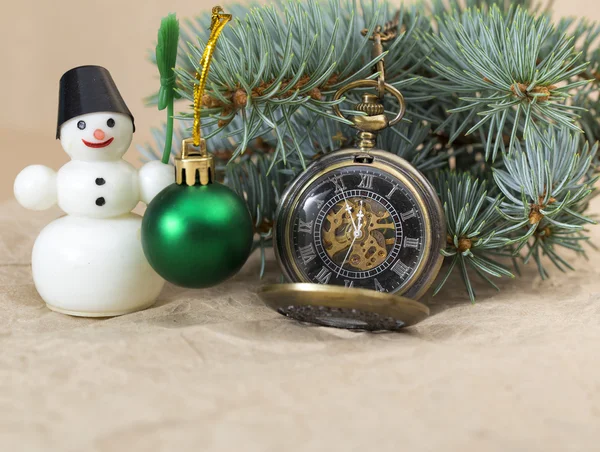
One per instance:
(195, 165)
(218, 22)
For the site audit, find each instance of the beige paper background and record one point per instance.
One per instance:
(214, 370)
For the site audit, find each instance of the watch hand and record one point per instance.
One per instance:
(349, 210)
(356, 234)
(360, 215)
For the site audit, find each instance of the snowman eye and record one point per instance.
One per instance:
(110, 122)
(81, 125)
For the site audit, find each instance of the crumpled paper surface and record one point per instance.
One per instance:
(214, 370)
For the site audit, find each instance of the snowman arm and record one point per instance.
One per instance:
(35, 187)
(154, 176)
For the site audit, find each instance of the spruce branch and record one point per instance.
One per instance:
(495, 91)
(473, 224)
(261, 185)
(550, 239)
(494, 61)
(277, 62)
(545, 187)
(590, 118)
(416, 143)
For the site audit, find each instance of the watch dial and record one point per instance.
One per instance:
(358, 226)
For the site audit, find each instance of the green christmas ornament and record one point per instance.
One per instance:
(196, 235)
(197, 232)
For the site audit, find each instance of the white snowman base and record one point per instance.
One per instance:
(92, 267)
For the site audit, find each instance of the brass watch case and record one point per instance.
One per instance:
(413, 180)
(338, 307)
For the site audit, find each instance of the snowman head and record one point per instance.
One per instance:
(94, 123)
(101, 136)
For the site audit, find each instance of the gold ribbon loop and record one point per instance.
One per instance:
(218, 22)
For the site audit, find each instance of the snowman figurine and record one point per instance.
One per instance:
(90, 262)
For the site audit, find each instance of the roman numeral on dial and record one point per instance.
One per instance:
(323, 276)
(408, 215)
(411, 243)
(400, 268)
(348, 283)
(307, 253)
(366, 181)
(305, 227)
(378, 286)
(339, 184)
(392, 191)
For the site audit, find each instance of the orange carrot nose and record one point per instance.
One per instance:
(99, 134)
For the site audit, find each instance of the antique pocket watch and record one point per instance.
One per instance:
(359, 232)
(358, 218)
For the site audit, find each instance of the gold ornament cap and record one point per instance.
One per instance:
(195, 165)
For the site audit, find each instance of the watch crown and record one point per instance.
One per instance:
(374, 121)
(370, 105)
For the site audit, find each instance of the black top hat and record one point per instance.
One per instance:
(88, 89)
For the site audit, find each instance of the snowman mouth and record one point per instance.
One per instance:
(98, 145)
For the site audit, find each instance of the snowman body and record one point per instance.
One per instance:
(90, 262)
(94, 267)
(97, 189)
